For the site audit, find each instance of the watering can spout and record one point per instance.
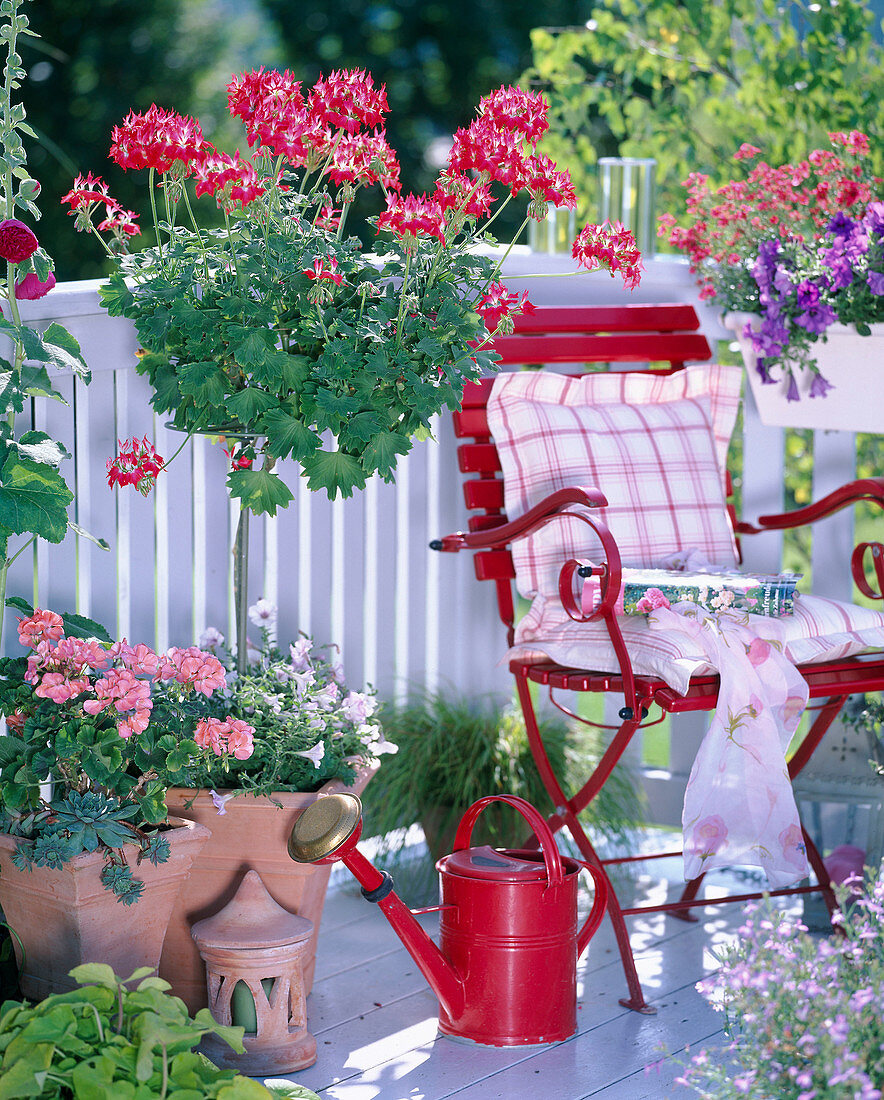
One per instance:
(327, 832)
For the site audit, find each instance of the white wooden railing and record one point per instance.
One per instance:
(357, 572)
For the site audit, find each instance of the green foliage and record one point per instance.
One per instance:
(34, 496)
(454, 751)
(106, 1041)
(257, 351)
(687, 83)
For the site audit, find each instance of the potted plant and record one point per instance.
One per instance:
(453, 751)
(105, 1039)
(794, 256)
(106, 724)
(314, 737)
(266, 323)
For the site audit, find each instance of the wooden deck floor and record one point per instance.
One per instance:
(374, 1017)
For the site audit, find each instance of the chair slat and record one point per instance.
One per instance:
(614, 348)
(673, 317)
(493, 565)
(478, 458)
(471, 423)
(484, 492)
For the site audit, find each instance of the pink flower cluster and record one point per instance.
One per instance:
(137, 463)
(62, 668)
(609, 246)
(792, 201)
(88, 195)
(498, 306)
(232, 736)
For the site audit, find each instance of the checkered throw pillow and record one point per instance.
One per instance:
(655, 445)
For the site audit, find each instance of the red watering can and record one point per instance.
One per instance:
(505, 970)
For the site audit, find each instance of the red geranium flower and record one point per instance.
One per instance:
(229, 179)
(137, 463)
(412, 216)
(157, 139)
(347, 98)
(609, 246)
(319, 271)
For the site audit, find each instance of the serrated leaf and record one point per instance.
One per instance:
(63, 351)
(20, 605)
(33, 499)
(260, 490)
(364, 425)
(251, 351)
(246, 405)
(40, 448)
(11, 393)
(382, 452)
(334, 471)
(35, 382)
(205, 382)
(287, 435)
(79, 626)
(115, 296)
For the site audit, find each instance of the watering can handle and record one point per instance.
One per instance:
(599, 904)
(551, 857)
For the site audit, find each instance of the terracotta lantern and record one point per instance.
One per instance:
(253, 950)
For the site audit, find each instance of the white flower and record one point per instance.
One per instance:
(299, 652)
(328, 696)
(218, 801)
(338, 672)
(303, 681)
(210, 638)
(377, 743)
(315, 754)
(263, 614)
(357, 706)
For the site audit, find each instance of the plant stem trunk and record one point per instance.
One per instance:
(241, 588)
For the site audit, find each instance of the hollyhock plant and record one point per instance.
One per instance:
(28, 457)
(800, 247)
(283, 330)
(113, 726)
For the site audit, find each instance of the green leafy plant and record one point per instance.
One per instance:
(865, 713)
(34, 497)
(107, 1041)
(454, 751)
(802, 1012)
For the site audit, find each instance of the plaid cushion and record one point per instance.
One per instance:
(819, 630)
(654, 444)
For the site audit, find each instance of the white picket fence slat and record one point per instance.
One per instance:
(357, 573)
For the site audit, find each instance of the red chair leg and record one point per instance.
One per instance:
(566, 815)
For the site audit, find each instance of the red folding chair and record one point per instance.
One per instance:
(664, 335)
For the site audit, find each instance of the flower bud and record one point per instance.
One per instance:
(29, 189)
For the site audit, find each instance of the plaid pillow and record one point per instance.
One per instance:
(654, 444)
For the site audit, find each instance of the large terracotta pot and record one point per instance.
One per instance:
(64, 916)
(853, 364)
(251, 833)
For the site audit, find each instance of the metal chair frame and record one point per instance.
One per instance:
(667, 335)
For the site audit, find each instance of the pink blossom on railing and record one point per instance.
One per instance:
(17, 241)
(137, 463)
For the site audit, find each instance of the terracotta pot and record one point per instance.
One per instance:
(852, 363)
(251, 833)
(65, 916)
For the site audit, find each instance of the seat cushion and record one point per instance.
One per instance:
(654, 444)
(819, 630)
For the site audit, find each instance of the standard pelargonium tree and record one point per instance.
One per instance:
(278, 330)
(34, 497)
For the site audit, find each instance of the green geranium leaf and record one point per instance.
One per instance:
(39, 448)
(381, 453)
(205, 382)
(115, 296)
(335, 472)
(35, 382)
(34, 499)
(260, 490)
(287, 435)
(251, 351)
(248, 404)
(63, 351)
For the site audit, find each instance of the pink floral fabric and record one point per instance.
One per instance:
(739, 808)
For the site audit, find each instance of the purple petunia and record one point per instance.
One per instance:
(820, 386)
(875, 279)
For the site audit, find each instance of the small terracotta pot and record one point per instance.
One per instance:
(65, 917)
(252, 833)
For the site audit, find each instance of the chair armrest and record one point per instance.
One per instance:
(867, 488)
(538, 516)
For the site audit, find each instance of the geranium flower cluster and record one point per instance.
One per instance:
(119, 678)
(292, 311)
(803, 1013)
(798, 244)
(136, 463)
(312, 727)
